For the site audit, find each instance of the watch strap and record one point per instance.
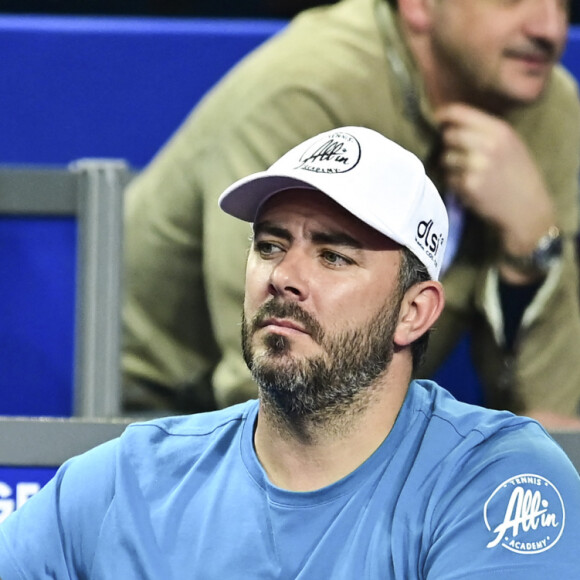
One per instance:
(547, 251)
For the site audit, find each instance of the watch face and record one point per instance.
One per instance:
(549, 249)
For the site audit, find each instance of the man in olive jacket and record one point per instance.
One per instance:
(473, 89)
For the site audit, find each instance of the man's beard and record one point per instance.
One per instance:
(327, 385)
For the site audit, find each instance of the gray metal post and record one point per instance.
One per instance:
(99, 286)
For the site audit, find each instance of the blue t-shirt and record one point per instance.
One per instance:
(454, 491)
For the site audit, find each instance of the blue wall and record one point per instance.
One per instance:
(105, 87)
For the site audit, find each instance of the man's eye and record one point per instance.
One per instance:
(336, 259)
(266, 249)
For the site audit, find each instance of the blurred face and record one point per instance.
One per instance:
(321, 306)
(497, 51)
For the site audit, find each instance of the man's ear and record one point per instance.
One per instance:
(420, 308)
(416, 14)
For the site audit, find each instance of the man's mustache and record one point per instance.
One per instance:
(276, 308)
(537, 48)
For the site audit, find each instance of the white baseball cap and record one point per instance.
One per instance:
(369, 175)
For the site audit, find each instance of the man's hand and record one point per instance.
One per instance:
(489, 168)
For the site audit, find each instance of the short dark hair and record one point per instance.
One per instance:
(411, 272)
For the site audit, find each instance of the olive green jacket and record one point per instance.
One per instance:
(337, 65)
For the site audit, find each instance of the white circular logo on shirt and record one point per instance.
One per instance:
(336, 152)
(526, 513)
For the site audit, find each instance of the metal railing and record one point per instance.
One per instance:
(91, 190)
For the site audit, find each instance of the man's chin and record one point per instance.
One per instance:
(278, 347)
(278, 362)
(527, 90)
(502, 103)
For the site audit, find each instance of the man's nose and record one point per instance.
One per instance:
(548, 20)
(289, 277)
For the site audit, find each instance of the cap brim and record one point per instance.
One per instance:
(244, 198)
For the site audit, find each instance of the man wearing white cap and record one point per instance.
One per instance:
(343, 469)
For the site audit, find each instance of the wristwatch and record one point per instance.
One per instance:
(547, 251)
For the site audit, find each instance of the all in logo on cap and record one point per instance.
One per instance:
(526, 513)
(336, 152)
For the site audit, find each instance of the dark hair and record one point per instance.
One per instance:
(393, 3)
(411, 272)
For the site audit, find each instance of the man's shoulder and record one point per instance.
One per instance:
(565, 83)
(468, 425)
(500, 491)
(196, 426)
(438, 403)
(325, 54)
(562, 97)
(480, 440)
